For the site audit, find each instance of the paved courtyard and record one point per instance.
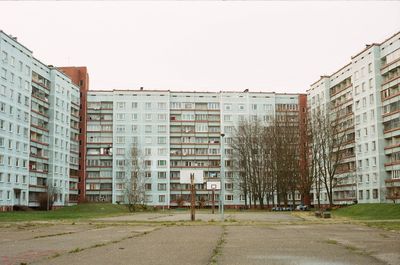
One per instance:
(167, 238)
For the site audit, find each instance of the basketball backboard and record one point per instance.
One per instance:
(216, 185)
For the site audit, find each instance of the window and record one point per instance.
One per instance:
(120, 139)
(27, 70)
(162, 151)
(360, 195)
(213, 105)
(161, 198)
(120, 128)
(147, 105)
(175, 105)
(227, 117)
(162, 140)
(162, 128)
(367, 194)
(134, 128)
(162, 163)
(162, 117)
(134, 116)
(229, 197)
(121, 116)
(370, 68)
(375, 193)
(120, 105)
(4, 56)
(147, 163)
(162, 175)
(120, 174)
(3, 90)
(148, 129)
(134, 105)
(148, 116)
(147, 186)
(1, 159)
(228, 106)
(148, 140)
(3, 73)
(162, 105)
(357, 104)
(241, 106)
(147, 151)
(120, 162)
(162, 186)
(373, 148)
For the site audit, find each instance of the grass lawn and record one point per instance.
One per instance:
(81, 211)
(370, 211)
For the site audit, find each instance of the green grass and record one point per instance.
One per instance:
(370, 211)
(82, 211)
(385, 225)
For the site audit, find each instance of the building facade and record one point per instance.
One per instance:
(59, 140)
(364, 96)
(39, 129)
(174, 132)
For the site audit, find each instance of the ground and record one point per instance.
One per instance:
(168, 237)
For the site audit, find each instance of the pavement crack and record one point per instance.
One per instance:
(217, 251)
(77, 250)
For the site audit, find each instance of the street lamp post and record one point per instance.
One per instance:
(222, 174)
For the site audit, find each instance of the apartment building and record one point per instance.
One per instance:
(15, 107)
(174, 132)
(80, 77)
(389, 67)
(99, 146)
(361, 94)
(39, 129)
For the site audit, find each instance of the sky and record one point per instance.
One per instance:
(203, 45)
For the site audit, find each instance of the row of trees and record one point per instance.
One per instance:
(286, 156)
(281, 158)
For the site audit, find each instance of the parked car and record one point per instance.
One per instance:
(302, 208)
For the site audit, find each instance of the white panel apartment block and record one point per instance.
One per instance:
(15, 99)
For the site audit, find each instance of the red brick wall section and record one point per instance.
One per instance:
(303, 143)
(80, 77)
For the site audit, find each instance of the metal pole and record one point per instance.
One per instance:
(213, 200)
(193, 193)
(222, 178)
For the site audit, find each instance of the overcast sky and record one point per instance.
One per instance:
(203, 46)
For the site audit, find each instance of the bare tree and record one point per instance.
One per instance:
(134, 190)
(328, 143)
